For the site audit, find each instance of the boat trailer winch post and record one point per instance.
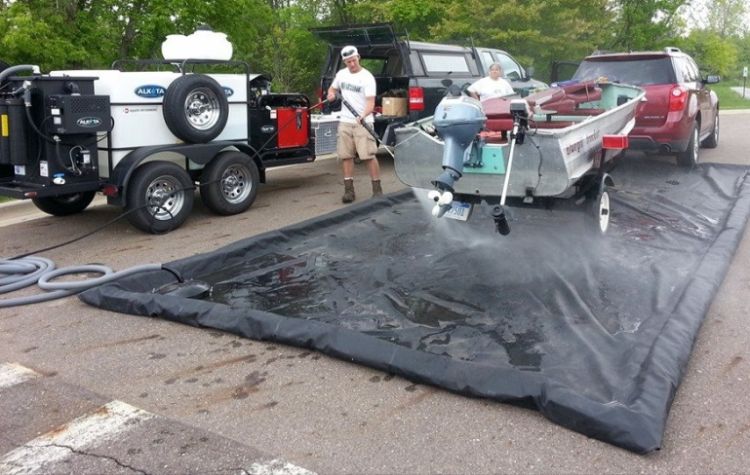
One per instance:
(519, 110)
(366, 126)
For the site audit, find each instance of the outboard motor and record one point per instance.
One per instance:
(457, 120)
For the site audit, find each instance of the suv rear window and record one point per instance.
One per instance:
(637, 71)
(445, 63)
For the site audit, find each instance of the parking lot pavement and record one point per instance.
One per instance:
(309, 410)
(83, 432)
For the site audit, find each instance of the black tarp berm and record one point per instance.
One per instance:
(594, 333)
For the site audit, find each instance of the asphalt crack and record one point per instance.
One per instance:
(105, 457)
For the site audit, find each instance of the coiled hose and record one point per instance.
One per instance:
(20, 273)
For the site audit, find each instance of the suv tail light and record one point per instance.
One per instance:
(416, 99)
(677, 98)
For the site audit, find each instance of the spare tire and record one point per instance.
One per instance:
(195, 108)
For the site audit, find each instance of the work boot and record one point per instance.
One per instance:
(376, 189)
(348, 191)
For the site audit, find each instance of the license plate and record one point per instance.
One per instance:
(459, 211)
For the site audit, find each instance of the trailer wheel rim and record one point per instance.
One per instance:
(236, 184)
(202, 108)
(164, 203)
(603, 214)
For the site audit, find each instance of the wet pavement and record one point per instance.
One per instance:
(276, 402)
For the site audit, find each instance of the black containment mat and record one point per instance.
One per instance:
(594, 333)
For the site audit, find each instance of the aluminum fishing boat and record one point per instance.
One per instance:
(556, 144)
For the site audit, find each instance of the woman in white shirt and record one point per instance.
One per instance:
(492, 85)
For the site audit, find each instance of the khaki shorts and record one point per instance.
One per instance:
(353, 139)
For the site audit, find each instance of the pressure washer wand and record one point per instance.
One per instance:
(366, 126)
(315, 106)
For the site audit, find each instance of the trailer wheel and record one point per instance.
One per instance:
(159, 197)
(229, 183)
(195, 108)
(64, 205)
(598, 206)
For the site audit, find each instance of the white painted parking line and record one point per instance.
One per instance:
(277, 467)
(82, 433)
(13, 373)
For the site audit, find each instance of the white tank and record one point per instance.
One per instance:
(174, 46)
(202, 44)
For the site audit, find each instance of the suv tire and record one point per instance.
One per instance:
(712, 141)
(195, 108)
(689, 158)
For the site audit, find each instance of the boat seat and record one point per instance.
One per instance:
(548, 96)
(497, 111)
(586, 91)
(493, 136)
(499, 125)
(565, 100)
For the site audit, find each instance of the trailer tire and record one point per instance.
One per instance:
(598, 206)
(159, 197)
(195, 108)
(64, 205)
(229, 183)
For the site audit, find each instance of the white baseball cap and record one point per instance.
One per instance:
(349, 51)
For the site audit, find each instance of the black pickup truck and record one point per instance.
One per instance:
(413, 70)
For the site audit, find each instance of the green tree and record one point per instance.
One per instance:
(289, 52)
(416, 17)
(93, 33)
(712, 53)
(726, 17)
(645, 24)
(534, 31)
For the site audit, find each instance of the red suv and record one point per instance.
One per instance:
(680, 113)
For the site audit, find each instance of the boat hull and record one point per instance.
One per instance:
(548, 163)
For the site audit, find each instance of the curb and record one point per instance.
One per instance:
(733, 111)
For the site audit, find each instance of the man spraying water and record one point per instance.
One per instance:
(357, 87)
